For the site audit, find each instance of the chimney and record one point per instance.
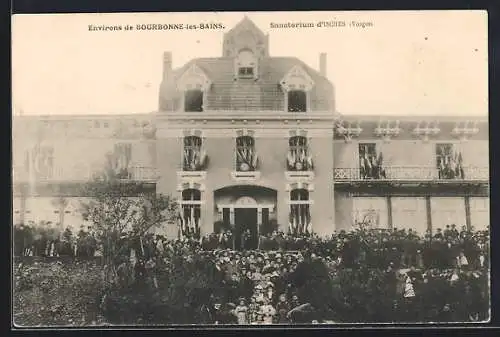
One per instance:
(322, 64)
(167, 65)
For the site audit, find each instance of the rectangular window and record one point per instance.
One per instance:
(297, 101)
(298, 157)
(193, 100)
(122, 157)
(369, 164)
(246, 156)
(193, 157)
(449, 162)
(245, 72)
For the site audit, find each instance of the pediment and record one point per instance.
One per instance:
(194, 78)
(297, 79)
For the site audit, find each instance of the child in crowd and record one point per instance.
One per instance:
(268, 312)
(242, 312)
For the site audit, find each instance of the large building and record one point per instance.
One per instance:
(255, 140)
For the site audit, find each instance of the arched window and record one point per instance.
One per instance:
(193, 156)
(191, 194)
(300, 213)
(193, 100)
(298, 158)
(297, 101)
(246, 156)
(246, 64)
(190, 213)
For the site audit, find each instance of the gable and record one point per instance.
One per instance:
(297, 79)
(194, 78)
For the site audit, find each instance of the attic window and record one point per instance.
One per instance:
(246, 64)
(245, 72)
(297, 101)
(193, 100)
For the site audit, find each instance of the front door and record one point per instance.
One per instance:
(246, 234)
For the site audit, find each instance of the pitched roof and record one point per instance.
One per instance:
(264, 93)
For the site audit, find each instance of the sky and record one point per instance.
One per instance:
(416, 63)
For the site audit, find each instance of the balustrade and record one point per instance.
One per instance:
(416, 173)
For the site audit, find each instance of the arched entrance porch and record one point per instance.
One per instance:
(247, 210)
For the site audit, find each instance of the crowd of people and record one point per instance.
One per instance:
(438, 277)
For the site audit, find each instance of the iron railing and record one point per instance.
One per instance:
(410, 173)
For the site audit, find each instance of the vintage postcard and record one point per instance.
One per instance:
(250, 169)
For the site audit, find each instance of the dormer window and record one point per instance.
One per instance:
(193, 100)
(193, 85)
(296, 85)
(246, 64)
(245, 72)
(297, 101)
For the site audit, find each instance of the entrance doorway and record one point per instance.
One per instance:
(246, 235)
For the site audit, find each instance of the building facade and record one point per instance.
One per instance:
(254, 141)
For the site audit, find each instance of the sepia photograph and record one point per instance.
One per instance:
(250, 169)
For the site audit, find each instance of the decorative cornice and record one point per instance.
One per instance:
(245, 176)
(387, 130)
(348, 131)
(194, 185)
(192, 133)
(430, 129)
(463, 130)
(250, 116)
(245, 133)
(299, 176)
(223, 131)
(299, 185)
(297, 133)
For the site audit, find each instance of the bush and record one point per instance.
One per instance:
(56, 292)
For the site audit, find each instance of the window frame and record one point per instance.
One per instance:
(238, 147)
(303, 105)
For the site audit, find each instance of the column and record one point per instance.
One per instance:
(207, 212)
(220, 214)
(429, 212)
(468, 221)
(231, 215)
(259, 216)
(389, 212)
(283, 210)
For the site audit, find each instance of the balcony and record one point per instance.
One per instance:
(79, 174)
(411, 174)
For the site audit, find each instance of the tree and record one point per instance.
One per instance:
(120, 211)
(61, 203)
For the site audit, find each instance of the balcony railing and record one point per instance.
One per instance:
(411, 173)
(135, 173)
